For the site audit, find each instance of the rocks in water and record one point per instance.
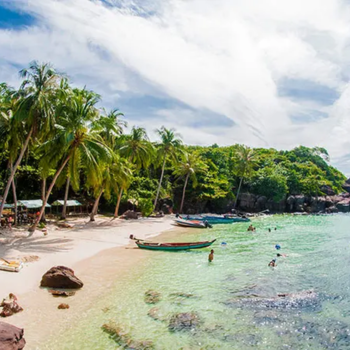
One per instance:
(123, 338)
(61, 293)
(152, 297)
(183, 295)
(344, 205)
(184, 321)
(305, 299)
(154, 313)
(10, 306)
(11, 337)
(61, 277)
(63, 306)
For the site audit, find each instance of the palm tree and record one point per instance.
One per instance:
(76, 143)
(138, 150)
(188, 169)
(168, 149)
(114, 175)
(245, 163)
(35, 107)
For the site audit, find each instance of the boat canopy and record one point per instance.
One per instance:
(32, 203)
(8, 206)
(70, 203)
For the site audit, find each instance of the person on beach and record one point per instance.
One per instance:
(9, 222)
(272, 263)
(211, 256)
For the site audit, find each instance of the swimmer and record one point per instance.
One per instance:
(269, 230)
(277, 246)
(211, 256)
(251, 228)
(281, 255)
(272, 263)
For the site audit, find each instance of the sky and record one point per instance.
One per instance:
(266, 73)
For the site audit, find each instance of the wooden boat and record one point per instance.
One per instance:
(174, 246)
(216, 219)
(191, 223)
(12, 266)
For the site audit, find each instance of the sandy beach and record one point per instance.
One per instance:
(97, 252)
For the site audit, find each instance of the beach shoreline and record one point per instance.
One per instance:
(97, 253)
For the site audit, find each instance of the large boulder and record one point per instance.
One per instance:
(10, 306)
(11, 337)
(299, 203)
(327, 190)
(318, 204)
(261, 203)
(247, 201)
(61, 277)
(344, 205)
(290, 203)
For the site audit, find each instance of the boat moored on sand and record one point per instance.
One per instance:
(192, 223)
(216, 219)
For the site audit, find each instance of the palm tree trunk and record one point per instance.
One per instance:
(239, 189)
(183, 193)
(14, 193)
(95, 207)
(159, 185)
(13, 171)
(64, 209)
(58, 172)
(43, 192)
(116, 212)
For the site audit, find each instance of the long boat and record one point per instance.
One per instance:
(211, 219)
(174, 246)
(191, 223)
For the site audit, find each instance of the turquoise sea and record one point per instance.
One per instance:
(234, 298)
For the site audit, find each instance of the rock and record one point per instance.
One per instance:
(290, 203)
(63, 306)
(327, 190)
(301, 300)
(346, 186)
(154, 313)
(332, 209)
(299, 202)
(276, 206)
(318, 204)
(261, 203)
(184, 321)
(247, 201)
(152, 297)
(344, 205)
(119, 335)
(182, 295)
(61, 277)
(65, 225)
(130, 214)
(10, 306)
(11, 337)
(61, 293)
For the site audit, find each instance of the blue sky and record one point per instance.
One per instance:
(264, 74)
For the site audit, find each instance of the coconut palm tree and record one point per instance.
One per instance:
(138, 150)
(35, 108)
(114, 175)
(244, 165)
(76, 143)
(169, 148)
(188, 168)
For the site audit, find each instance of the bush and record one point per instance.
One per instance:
(146, 206)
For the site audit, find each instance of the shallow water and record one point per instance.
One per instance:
(224, 293)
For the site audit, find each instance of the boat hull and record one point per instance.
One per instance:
(190, 223)
(217, 220)
(175, 246)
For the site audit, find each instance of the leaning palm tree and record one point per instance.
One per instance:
(169, 148)
(245, 163)
(76, 143)
(188, 169)
(138, 150)
(35, 108)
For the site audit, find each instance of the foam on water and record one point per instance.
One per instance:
(222, 293)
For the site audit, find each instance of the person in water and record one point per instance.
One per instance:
(251, 228)
(281, 255)
(211, 256)
(272, 263)
(269, 230)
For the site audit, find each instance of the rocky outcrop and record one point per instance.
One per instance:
(330, 203)
(327, 190)
(63, 306)
(152, 297)
(11, 337)
(10, 306)
(184, 321)
(61, 293)
(61, 277)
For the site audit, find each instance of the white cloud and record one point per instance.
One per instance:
(224, 56)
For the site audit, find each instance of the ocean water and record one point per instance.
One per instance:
(234, 297)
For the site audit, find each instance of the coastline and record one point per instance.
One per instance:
(97, 253)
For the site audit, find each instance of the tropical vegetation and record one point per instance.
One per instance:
(55, 134)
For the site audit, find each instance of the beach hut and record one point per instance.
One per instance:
(29, 208)
(71, 203)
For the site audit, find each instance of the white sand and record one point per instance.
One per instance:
(87, 248)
